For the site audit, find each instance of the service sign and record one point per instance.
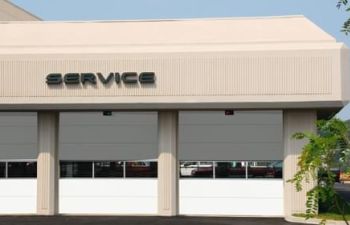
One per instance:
(94, 78)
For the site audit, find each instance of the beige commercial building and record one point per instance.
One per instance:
(161, 117)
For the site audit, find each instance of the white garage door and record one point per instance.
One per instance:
(231, 165)
(17, 163)
(108, 163)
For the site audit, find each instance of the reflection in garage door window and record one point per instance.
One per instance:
(21, 169)
(265, 169)
(196, 169)
(75, 169)
(2, 169)
(141, 169)
(230, 169)
(109, 169)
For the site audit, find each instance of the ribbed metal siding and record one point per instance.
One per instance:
(230, 74)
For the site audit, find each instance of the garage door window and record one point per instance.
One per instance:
(231, 169)
(109, 169)
(76, 169)
(2, 169)
(200, 169)
(265, 169)
(141, 169)
(21, 169)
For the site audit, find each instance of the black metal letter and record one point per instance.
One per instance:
(129, 77)
(71, 78)
(88, 77)
(117, 78)
(147, 78)
(103, 79)
(54, 78)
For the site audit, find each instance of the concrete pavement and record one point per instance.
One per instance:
(136, 220)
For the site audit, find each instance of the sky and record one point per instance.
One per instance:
(322, 12)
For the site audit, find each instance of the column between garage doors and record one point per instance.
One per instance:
(167, 163)
(47, 167)
(295, 121)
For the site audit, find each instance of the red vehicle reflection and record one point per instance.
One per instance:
(141, 169)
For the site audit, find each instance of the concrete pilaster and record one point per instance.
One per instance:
(48, 163)
(168, 163)
(295, 121)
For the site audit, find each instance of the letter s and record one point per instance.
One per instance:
(54, 78)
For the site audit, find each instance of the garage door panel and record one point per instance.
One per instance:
(15, 199)
(108, 196)
(18, 119)
(18, 134)
(231, 197)
(108, 205)
(108, 134)
(18, 151)
(239, 117)
(231, 188)
(231, 207)
(117, 118)
(233, 151)
(225, 133)
(95, 152)
(108, 187)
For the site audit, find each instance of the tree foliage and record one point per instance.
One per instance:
(346, 25)
(327, 149)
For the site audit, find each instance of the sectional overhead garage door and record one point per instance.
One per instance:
(231, 165)
(18, 163)
(108, 163)
(228, 165)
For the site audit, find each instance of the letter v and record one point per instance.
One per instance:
(103, 79)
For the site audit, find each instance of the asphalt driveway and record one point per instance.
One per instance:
(343, 190)
(124, 220)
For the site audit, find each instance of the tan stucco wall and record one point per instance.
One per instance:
(48, 163)
(168, 181)
(244, 79)
(204, 69)
(295, 121)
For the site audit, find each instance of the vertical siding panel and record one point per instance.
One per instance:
(226, 74)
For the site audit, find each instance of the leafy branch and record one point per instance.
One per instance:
(327, 149)
(346, 25)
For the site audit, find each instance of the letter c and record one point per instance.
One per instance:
(129, 77)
